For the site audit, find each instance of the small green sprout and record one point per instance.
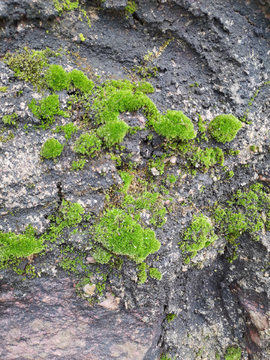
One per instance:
(170, 317)
(82, 37)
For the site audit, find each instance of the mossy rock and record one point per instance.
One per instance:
(87, 144)
(224, 128)
(51, 149)
(122, 235)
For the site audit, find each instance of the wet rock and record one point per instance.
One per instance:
(114, 4)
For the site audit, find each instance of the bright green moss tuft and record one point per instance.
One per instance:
(14, 246)
(198, 235)
(3, 88)
(113, 132)
(56, 77)
(102, 256)
(127, 179)
(174, 125)
(87, 144)
(78, 165)
(69, 214)
(233, 353)
(170, 317)
(10, 119)
(207, 158)
(69, 130)
(224, 128)
(130, 8)
(80, 81)
(142, 275)
(46, 109)
(122, 235)
(82, 38)
(154, 273)
(51, 149)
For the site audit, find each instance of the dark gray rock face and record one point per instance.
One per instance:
(216, 61)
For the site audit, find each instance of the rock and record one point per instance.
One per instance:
(114, 4)
(173, 160)
(89, 289)
(154, 171)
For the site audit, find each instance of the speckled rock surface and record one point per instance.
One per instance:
(217, 58)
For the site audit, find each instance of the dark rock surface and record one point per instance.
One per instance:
(223, 46)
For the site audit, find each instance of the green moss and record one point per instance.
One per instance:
(80, 81)
(3, 88)
(165, 357)
(142, 275)
(113, 132)
(65, 5)
(170, 317)
(10, 119)
(130, 8)
(217, 355)
(57, 78)
(46, 109)
(69, 130)
(127, 179)
(175, 125)
(101, 256)
(233, 353)
(28, 65)
(172, 179)
(224, 128)
(87, 144)
(82, 38)
(14, 246)
(207, 157)
(198, 235)
(51, 149)
(120, 234)
(78, 165)
(230, 174)
(69, 214)
(154, 273)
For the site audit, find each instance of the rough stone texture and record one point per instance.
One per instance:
(223, 45)
(46, 320)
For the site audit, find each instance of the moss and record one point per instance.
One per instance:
(101, 256)
(154, 273)
(87, 144)
(65, 5)
(113, 132)
(230, 174)
(69, 130)
(233, 353)
(78, 165)
(46, 109)
(82, 38)
(198, 235)
(10, 119)
(120, 234)
(69, 214)
(130, 8)
(14, 246)
(127, 179)
(170, 317)
(28, 65)
(175, 125)
(172, 179)
(224, 128)
(3, 88)
(142, 275)
(80, 81)
(51, 149)
(56, 78)
(207, 157)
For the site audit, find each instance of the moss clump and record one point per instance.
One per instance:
(57, 78)
(207, 157)
(51, 149)
(80, 81)
(127, 180)
(14, 246)
(122, 235)
(87, 144)
(198, 235)
(130, 8)
(230, 174)
(3, 88)
(10, 119)
(69, 130)
(69, 214)
(113, 132)
(224, 128)
(28, 65)
(102, 256)
(78, 165)
(233, 353)
(142, 275)
(154, 273)
(170, 317)
(82, 38)
(174, 125)
(65, 5)
(46, 109)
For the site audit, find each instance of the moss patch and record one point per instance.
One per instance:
(87, 144)
(233, 353)
(51, 149)
(224, 128)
